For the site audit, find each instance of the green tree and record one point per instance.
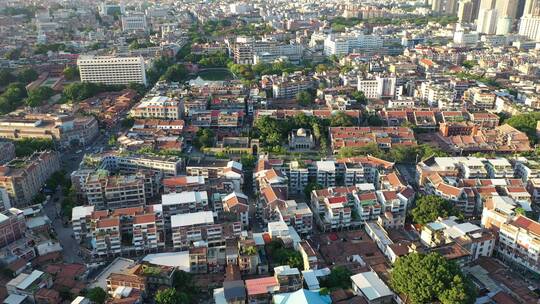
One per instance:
(205, 138)
(71, 73)
(341, 119)
(112, 141)
(38, 96)
(97, 295)
(248, 161)
(6, 77)
(177, 72)
(431, 278)
(430, 207)
(340, 277)
(127, 122)
(321, 68)
(310, 187)
(12, 97)
(369, 149)
(525, 123)
(27, 75)
(359, 96)
(13, 54)
(374, 120)
(304, 98)
(167, 296)
(186, 289)
(469, 64)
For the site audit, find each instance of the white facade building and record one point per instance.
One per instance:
(112, 70)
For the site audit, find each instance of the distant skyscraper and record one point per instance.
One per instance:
(487, 17)
(529, 24)
(532, 8)
(507, 8)
(444, 7)
(468, 10)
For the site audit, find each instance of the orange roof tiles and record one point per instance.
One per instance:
(527, 224)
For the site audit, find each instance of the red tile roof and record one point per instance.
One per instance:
(527, 224)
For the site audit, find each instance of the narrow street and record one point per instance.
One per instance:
(64, 234)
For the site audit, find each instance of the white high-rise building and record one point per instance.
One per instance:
(112, 70)
(529, 25)
(487, 21)
(485, 17)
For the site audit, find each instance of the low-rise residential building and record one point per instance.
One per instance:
(519, 243)
(12, 226)
(369, 286)
(22, 178)
(161, 107)
(65, 130)
(289, 279)
(217, 118)
(297, 215)
(29, 284)
(237, 205)
(326, 173)
(199, 228)
(333, 208)
(477, 241)
(114, 162)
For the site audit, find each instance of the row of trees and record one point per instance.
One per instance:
(78, 91)
(24, 76)
(250, 72)
(400, 154)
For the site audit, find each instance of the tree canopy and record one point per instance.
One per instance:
(359, 96)
(431, 278)
(525, 123)
(71, 73)
(78, 91)
(285, 256)
(27, 75)
(205, 138)
(340, 277)
(12, 97)
(341, 119)
(167, 296)
(430, 207)
(37, 97)
(304, 98)
(6, 77)
(97, 295)
(176, 72)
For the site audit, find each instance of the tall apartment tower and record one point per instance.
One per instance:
(444, 7)
(487, 17)
(529, 25)
(468, 10)
(112, 70)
